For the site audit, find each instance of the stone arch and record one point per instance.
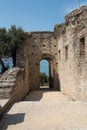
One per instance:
(36, 52)
(50, 58)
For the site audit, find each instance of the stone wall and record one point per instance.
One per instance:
(41, 45)
(20, 55)
(66, 51)
(72, 62)
(4, 104)
(12, 85)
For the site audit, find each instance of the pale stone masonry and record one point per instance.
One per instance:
(12, 88)
(42, 45)
(72, 46)
(66, 51)
(12, 85)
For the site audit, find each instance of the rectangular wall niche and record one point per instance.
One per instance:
(82, 47)
(59, 53)
(66, 52)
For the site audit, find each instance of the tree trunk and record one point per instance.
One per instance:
(14, 57)
(3, 66)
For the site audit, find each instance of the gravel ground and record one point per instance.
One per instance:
(46, 110)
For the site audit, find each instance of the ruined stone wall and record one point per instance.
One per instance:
(20, 55)
(72, 54)
(13, 88)
(41, 45)
(12, 85)
(66, 51)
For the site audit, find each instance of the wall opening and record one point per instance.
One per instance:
(59, 53)
(82, 47)
(44, 74)
(66, 52)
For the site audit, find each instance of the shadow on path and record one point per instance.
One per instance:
(12, 120)
(38, 94)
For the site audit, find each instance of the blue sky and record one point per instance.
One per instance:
(44, 67)
(35, 15)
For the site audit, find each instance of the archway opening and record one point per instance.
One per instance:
(44, 74)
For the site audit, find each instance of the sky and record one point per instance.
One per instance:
(35, 15)
(44, 67)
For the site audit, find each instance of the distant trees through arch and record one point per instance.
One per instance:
(44, 74)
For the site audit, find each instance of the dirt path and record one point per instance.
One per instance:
(46, 110)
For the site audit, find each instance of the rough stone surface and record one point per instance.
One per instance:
(73, 69)
(77, 18)
(65, 49)
(7, 82)
(4, 104)
(41, 45)
(20, 55)
(12, 85)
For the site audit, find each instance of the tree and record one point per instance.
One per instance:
(43, 79)
(3, 66)
(3, 42)
(10, 40)
(16, 36)
(3, 46)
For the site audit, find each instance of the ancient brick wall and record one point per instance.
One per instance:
(42, 45)
(72, 49)
(20, 55)
(12, 85)
(66, 51)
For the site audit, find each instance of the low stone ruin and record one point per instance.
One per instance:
(66, 51)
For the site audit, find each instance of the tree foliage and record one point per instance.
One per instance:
(3, 46)
(3, 42)
(16, 36)
(44, 79)
(10, 40)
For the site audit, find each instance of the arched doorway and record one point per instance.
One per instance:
(41, 45)
(44, 74)
(49, 67)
